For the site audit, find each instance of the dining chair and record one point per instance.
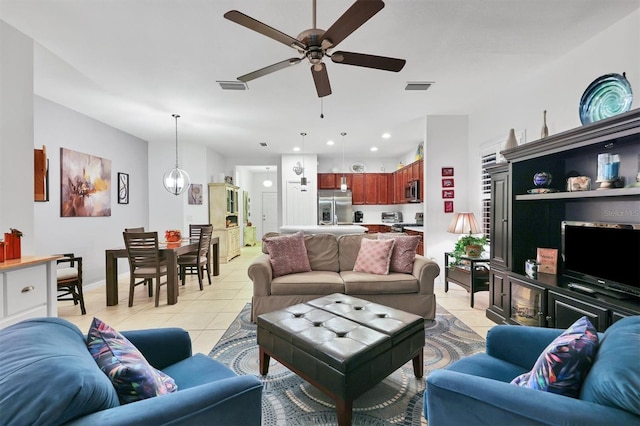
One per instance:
(146, 281)
(198, 262)
(143, 252)
(69, 278)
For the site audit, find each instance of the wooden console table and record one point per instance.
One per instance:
(473, 276)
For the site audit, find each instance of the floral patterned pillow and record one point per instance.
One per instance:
(132, 376)
(288, 254)
(374, 256)
(563, 365)
(404, 251)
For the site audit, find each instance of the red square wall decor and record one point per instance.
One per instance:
(447, 183)
(447, 171)
(447, 193)
(448, 206)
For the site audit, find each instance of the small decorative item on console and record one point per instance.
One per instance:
(172, 235)
(12, 244)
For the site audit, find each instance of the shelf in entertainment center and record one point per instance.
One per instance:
(595, 193)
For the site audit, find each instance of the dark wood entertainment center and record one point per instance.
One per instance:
(521, 222)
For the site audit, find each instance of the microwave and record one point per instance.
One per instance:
(412, 191)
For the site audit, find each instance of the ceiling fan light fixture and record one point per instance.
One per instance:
(232, 85)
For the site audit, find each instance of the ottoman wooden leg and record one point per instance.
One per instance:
(344, 410)
(264, 362)
(418, 365)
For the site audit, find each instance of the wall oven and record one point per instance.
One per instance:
(412, 191)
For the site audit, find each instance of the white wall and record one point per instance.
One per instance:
(16, 136)
(56, 126)
(195, 163)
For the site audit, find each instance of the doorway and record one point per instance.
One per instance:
(269, 212)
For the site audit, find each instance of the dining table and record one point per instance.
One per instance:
(169, 250)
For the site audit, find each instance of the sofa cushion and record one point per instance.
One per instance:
(322, 251)
(374, 256)
(348, 248)
(288, 254)
(392, 283)
(47, 375)
(132, 376)
(404, 251)
(614, 379)
(304, 283)
(563, 365)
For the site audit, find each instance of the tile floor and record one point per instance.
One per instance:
(207, 314)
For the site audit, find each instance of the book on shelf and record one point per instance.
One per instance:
(547, 259)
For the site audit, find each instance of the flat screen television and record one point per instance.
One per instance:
(606, 255)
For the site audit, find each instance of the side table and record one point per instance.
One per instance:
(473, 276)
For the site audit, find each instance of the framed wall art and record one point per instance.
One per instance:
(447, 183)
(123, 188)
(447, 171)
(85, 185)
(195, 193)
(447, 193)
(448, 206)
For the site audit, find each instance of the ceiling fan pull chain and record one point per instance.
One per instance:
(321, 108)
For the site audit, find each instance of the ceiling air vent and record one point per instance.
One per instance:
(232, 85)
(418, 85)
(263, 144)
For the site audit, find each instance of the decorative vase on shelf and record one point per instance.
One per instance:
(545, 130)
(512, 142)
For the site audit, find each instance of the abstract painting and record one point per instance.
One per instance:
(195, 193)
(123, 188)
(85, 185)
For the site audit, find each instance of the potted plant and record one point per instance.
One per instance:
(467, 245)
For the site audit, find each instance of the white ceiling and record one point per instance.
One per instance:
(132, 63)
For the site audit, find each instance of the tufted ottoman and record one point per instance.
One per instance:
(342, 345)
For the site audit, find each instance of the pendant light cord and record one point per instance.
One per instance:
(343, 135)
(176, 116)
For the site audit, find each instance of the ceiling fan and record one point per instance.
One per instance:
(314, 44)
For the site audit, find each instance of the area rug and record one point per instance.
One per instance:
(397, 400)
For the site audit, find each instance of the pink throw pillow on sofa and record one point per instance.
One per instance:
(404, 251)
(374, 256)
(288, 254)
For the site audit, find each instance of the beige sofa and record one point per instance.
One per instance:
(332, 261)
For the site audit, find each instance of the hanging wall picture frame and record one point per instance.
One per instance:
(123, 188)
(195, 193)
(85, 185)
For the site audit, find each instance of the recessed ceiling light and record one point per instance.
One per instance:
(296, 149)
(374, 148)
(330, 142)
(386, 136)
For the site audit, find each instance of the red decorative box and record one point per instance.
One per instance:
(2, 251)
(12, 246)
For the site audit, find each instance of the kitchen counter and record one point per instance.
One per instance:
(324, 229)
(415, 228)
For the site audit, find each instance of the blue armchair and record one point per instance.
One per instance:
(476, 390)
(48, 376)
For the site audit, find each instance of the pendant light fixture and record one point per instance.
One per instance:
(343, 179)
(176, 180)
(267, 182)
(303, 180)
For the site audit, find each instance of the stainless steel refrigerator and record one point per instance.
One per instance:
(334, 207)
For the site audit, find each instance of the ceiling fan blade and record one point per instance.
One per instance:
(368, 61)
(359, 13)
(264, 29)
(321, 78)
(268, 70)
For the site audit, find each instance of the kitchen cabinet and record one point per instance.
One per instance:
(28, 289)
(375, 188)
(371, 229)
(357, 189)
(223, 216)
(327, 181)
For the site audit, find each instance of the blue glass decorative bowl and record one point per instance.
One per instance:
(605, 97)
(542, 179)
